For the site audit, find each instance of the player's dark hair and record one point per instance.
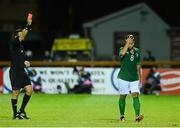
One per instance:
(124, 41)
(129, 35)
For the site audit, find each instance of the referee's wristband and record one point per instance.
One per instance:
(28, 27)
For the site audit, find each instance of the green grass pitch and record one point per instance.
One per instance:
(47, 110)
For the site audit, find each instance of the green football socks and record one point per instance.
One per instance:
(122, 104)
(136, 104)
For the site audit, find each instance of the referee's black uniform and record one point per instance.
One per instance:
(18, 77)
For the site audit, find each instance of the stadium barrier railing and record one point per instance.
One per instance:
(94, 63)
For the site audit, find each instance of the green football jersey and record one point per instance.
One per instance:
(129, 62)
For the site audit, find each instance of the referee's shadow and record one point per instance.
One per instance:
(4, 117)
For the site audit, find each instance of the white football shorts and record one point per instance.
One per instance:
(127, 87)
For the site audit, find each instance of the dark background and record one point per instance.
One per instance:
(56, 15)
(60, 18)
(63, 17)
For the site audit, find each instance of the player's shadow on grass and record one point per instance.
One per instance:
(109, 120)
(114, 120)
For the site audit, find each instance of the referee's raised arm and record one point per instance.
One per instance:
(23, 33)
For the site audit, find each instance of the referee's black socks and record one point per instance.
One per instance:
(24, 102)
(14, 105)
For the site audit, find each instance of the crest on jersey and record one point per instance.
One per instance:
(137, 54)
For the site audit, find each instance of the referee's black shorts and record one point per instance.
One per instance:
(19, 79)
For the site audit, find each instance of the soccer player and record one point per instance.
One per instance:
(18, 77)
(129, 77)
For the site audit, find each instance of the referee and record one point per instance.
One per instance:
(19, 79)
